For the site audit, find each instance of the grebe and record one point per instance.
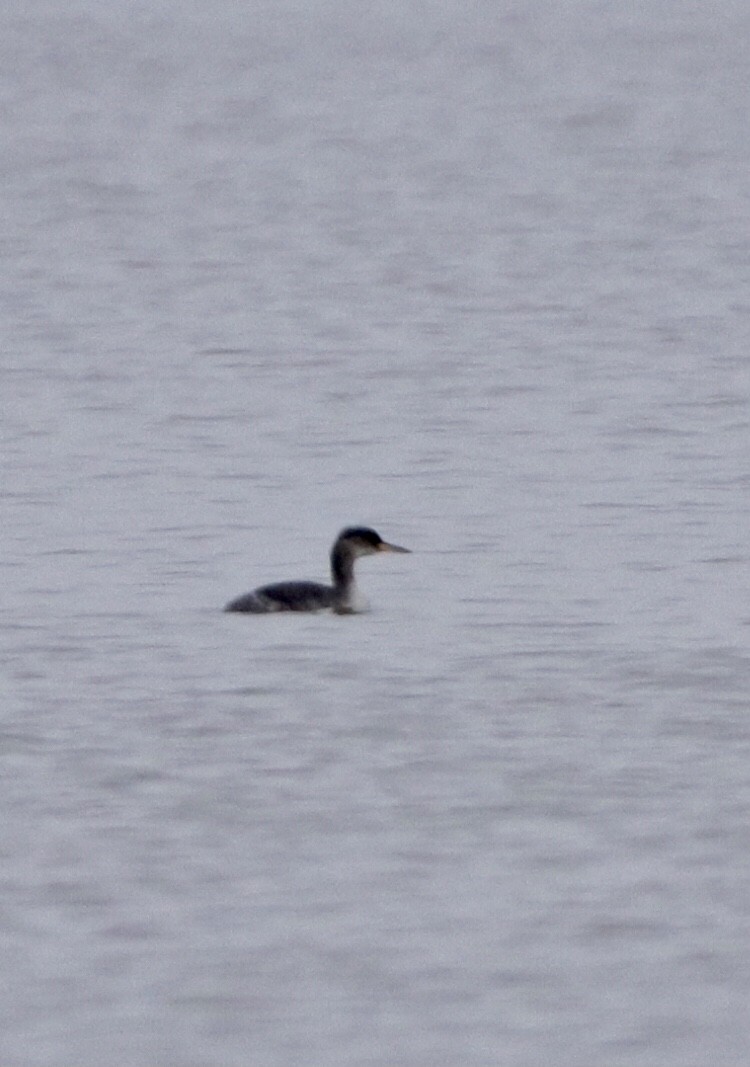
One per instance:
(340, 597)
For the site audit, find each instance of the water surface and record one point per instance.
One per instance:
(477, 278)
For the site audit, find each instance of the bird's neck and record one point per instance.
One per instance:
(342, 569)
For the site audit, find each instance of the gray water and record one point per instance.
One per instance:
(476, 275)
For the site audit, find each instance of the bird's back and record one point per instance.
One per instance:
(285, 596)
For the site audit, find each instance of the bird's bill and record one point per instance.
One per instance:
(385, 547)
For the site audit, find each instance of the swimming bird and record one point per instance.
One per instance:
(351, 543)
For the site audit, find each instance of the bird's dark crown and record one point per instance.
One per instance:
(362, 534)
